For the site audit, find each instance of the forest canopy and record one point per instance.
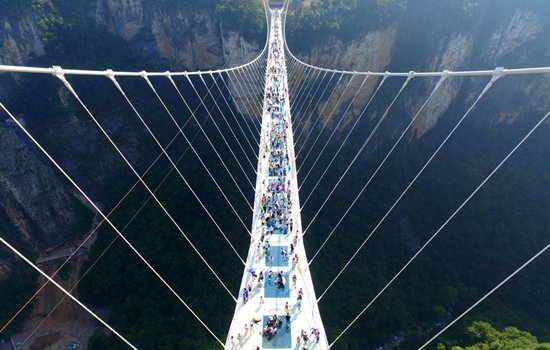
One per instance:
(487, 337)
(246, 16)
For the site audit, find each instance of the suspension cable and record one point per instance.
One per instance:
(348, 135)
(504, 160)
(100, 212)
(134, 109)
(253, 122)
(496, 76)
(303, 85)
(363, 146)
(252, 82)
(255, 83)
(202, 163)
(247, 137)
(221, 133)
(100, 256)
(310, 116)
(296, 78)
(300, 97)
(60, 76)
(292, 73)
(311, 85)
(231, 129)
(58, 286)
(249, 95)
(359, 89)
(300, 84)
(108, 215)
(306, 110)
(111, 212)
(439, 83)
(318, 118)
(326, 121)
(193, 115)
(509, 277)
(244, 99)
(254, 109)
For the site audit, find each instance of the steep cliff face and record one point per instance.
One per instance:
(183, 36)
(20, 39)
(522, 28)
(372, 52)
(35, 203)
(125, 18)
(494, 37)
(39, 210)
(369, 52)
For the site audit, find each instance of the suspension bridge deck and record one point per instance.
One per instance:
(276, 235)
(277, 306)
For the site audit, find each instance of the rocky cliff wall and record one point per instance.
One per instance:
(503, 36)
(182, 36)
(20, 39)
(39, 210)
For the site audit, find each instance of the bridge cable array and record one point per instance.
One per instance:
(60, 74)
(305, 82)
(103, 221)
(106, 219)
(352, 162)
(159, 156)
(497, 74)
(487, 178)
(110, 74)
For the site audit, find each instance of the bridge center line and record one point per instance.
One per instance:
(276, 311)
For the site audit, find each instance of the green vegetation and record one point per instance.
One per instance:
(49, 18)
(245, 16)
(498, 230)
(493, 234)
(311, 25)
(16, 290)
(486, 337)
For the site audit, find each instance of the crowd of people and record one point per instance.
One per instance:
(276, 199)
(274, 217)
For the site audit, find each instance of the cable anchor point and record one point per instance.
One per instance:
(498, 73)
(110, 74)
(58, 72)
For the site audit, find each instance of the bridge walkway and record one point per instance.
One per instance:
(276, 306)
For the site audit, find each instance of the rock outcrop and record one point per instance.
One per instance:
(34, 202)
(508, 39)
